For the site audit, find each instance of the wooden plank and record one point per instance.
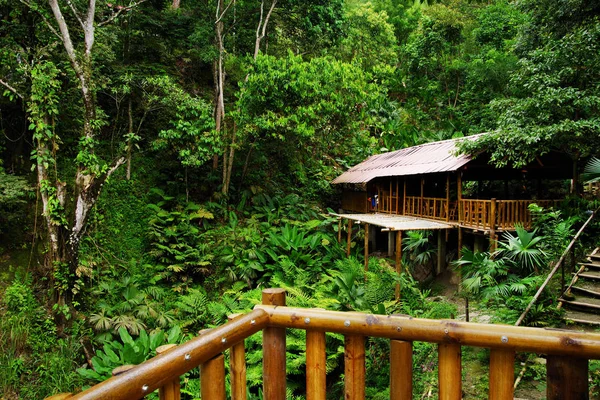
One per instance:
(354, 368)
(366, 247)
(397, 196)
(404, 197)
(449, 371)
(349, 242)
(566, 378)
(401, 364)
(502, 374)
(171, 390)
(212, 379)
(316, 383)
(493, 225)
(398, 261)
(447, 196)
(274, 374)
(237, 368)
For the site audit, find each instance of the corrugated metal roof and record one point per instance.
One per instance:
(423, 159)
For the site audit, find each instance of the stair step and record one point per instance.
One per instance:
(590, 275)
(582, 318)
(590, 265)
(585, 292)
(593, 305)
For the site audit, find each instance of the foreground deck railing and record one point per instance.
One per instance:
(567, 355)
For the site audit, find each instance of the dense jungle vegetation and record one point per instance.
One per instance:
(162, 161)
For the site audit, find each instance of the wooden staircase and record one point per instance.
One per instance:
(582, 298)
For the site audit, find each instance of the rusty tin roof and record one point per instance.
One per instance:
(422, 159)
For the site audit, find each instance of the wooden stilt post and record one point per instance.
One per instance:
(502, 374)
(274, 381)
(171, 390)
(398, 260)
(421, 213)
(316, 388)
(397, 196)
(459, 197)
(354, 368)
(237, 368)
(449, 372)
(348, 247)
(404, 198)
(340, 230)
(566, 378)
(366, 247)
(212, 378)
(493, 226)
(441, 256)
(401, 370)
(447, 209)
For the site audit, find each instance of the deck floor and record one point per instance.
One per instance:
(394, 222)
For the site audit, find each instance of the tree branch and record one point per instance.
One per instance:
(12, 89)
(48, 24)
(115, 15)
(220, 17)
(75, 12)
(65, 36)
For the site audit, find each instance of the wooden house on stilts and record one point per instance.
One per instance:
(433, 187)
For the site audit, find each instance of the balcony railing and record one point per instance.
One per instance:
(567, 355)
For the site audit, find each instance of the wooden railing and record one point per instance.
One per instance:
(567, 355)
(427, 207)
(513, 212)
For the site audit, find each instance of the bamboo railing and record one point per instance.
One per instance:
(427, 207)
(567, 352)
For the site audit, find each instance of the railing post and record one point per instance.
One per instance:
(566, 378)
(366, 247)
(171, 390)
(274, 381)
(398, 261)
(502, 373)
(401, 370)
(316, 376)
(349, 244)
(237, 368)
(493, 226)
(449, 372)
(354, 367)
(212, 378)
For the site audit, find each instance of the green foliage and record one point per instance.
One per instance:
(523, 251)
(127, 351)
(175, 238)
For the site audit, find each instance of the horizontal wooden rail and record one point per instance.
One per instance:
(523, 339)
(163, 369)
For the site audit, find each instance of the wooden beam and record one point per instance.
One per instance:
(366, 247)
(398, 261)
(493, 226)
(449, 372)
(316, 383)
(237, 368)
(447, 196)
(459, 196)
(404, 198)
(566, 378)
(502, 374)
(441, 256)
(397, 196)
(212, 378)
(401, 364)
(274, 380)
(171, 390)
(340, 230)
(349, 244)
(354, 368)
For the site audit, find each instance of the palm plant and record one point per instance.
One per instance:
(591, 173)
(416, 243)
(523, 251)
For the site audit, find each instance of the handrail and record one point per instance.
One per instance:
(558, 264)
(524, 339)
(162, 369)
(567, 354)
